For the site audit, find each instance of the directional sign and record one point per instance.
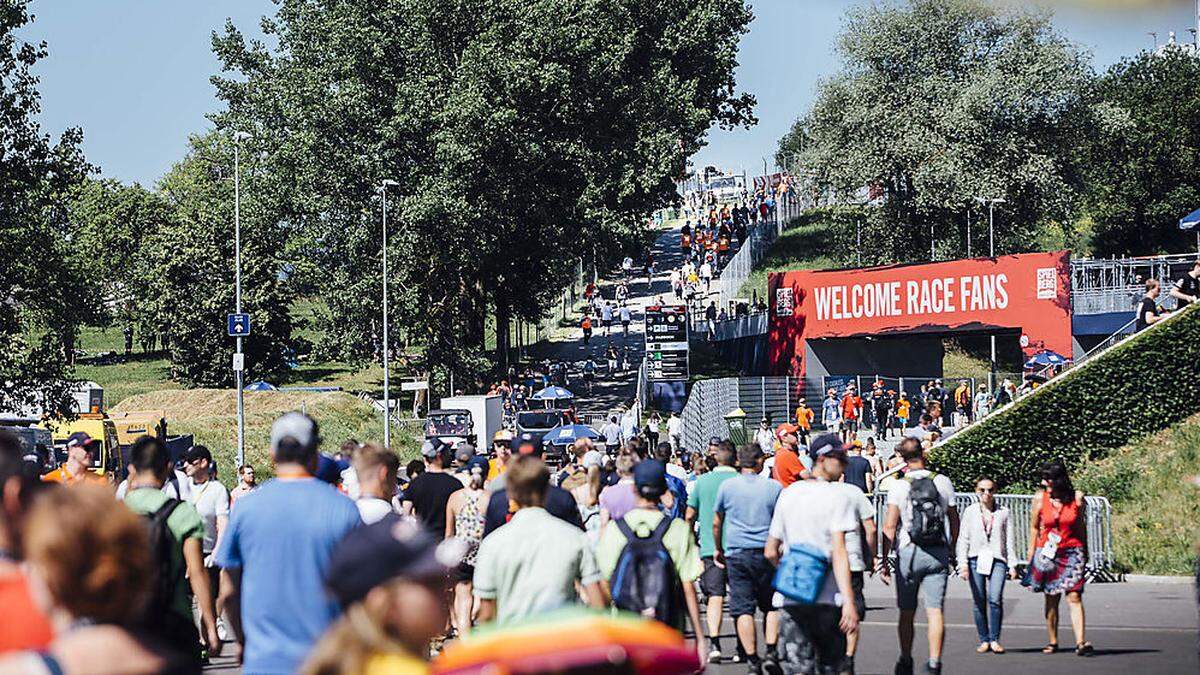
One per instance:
(239, 325)
(666, 343)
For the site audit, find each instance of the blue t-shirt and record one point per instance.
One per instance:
(281, 536)
(747, 503)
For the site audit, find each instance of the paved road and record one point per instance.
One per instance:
(1135, 627)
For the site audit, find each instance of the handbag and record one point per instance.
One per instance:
(801, 574)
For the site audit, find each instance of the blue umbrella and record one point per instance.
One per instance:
(552, 393)
(569, 433)
(261, 386)
(1191, 221)
(1046, 358)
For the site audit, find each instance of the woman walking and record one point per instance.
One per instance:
(465, 521)
(1058, 553)
(985, 548)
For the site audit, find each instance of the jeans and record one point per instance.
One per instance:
(988, 593)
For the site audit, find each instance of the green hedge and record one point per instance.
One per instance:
(1140, 386)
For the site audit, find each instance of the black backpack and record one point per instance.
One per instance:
(645, 581)
(928, 515)
(166, 577)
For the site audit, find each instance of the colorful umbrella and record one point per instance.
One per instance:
(570, 641)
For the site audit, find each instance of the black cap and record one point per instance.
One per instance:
(650, 478)
(197, 453)
(827, 445)
(386, 550)
(528, 444)
(81, 438)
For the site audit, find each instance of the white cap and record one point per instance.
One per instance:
(295, 426)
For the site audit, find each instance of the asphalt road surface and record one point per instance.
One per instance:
(1138, 628)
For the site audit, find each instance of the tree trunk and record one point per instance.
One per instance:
(503, 321)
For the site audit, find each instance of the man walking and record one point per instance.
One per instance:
(428, 493)
(211, 501)
(919, 507)
(277, 551)
(612, 435)
(701, 509)
(831, 413)
(804, 419)
(744, 508)
(852, 407)
(811, 522)
(532, 563)
(1186, 289)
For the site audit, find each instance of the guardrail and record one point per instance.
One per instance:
(1098, 517)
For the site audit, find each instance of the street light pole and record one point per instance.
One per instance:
(387, 411)
(968, 231)
(992, 254)
(239, 372)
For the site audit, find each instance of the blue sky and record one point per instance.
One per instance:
(134, 74)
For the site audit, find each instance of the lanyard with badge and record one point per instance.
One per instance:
(986, 558)
(1050, 548)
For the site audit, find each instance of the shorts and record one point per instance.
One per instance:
(713, 579)
(860, 602)
(751, 582)
(850, 425)
(811, 640)
(923, 571)
(463, 573)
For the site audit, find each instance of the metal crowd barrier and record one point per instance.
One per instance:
(1098, 514)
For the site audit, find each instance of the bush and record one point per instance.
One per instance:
(1142, 385)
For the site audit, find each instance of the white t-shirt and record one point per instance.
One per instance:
(211, 500)
(373, 509)
(706, 270)
(809, 512)
(898, 496)
(854, 540)
(626, 315)
(674, 425)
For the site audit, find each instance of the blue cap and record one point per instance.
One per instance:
(650, 478)
(827, 444)
(478, 462)
(329, 469)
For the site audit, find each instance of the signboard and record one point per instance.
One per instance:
(667, 343)
(239, 325)
(239, 361)
(1029, 293)
(414, 386)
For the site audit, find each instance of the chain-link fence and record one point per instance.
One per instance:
(704, 414)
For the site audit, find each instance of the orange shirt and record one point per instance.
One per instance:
(60, 475)
(850, 407)
(22, 625)
(902, 408)
(804, 418)
(787, 467)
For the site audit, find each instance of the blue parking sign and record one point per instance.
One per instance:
(239, 325)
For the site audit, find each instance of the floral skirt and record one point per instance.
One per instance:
(1064, 574)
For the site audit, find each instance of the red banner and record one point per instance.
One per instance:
(1030, 292)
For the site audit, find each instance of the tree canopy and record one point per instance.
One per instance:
(939, 102)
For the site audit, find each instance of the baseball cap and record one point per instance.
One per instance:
(431, 448)
(650, 478)
(329, 469)
(197, 453)
(528, 444)
(80, 438)
(464, 452)
(827, 445)
(389, 549)
(785, 428)
(856, 443)
(480, 463)
(295, 426)
(593, 458)
(502, 436)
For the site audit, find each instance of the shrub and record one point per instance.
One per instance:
(1142, 385)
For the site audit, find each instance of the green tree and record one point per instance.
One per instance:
(1143, 163)
(43, 291)
(192, 262)
(522, 135)
(942, 101)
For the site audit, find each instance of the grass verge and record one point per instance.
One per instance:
(807, 244)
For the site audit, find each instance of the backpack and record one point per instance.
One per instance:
(159, 618)
(645, 581)
(928, 515)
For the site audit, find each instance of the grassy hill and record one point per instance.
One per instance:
(1156, 509)
(211, 416)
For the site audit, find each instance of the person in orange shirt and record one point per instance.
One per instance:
(804, 420)
(851, 412)
(788, 468)
(22, 625)
(903, 407)
(81, 452)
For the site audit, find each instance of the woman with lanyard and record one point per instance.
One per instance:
(985, 547)
(1058, 553)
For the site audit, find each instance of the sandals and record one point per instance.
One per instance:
(1084, 649)
(1050, 648)
(997, 648)
(983, 648)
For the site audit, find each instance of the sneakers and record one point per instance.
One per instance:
(847, 666)
(904, 666)
(754, 668)
(933, 667)
(770, 663)
(714, 655)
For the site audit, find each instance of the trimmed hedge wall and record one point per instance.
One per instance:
(1142, 385)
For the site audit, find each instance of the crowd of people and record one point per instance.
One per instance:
(342, 563)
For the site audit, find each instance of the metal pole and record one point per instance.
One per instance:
(992, 254)
(968, 232)
(858, 240)
(387, 426)
(239, 374)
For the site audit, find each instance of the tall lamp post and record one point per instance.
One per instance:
(239, 358)
(387, 403)
(992, 254)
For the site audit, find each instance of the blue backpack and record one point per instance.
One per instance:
(645, 581)
(801, 574)
(678, 490)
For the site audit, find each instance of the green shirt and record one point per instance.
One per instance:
(678, 541)
(184, 523)
(703, 498)
(530, 565)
